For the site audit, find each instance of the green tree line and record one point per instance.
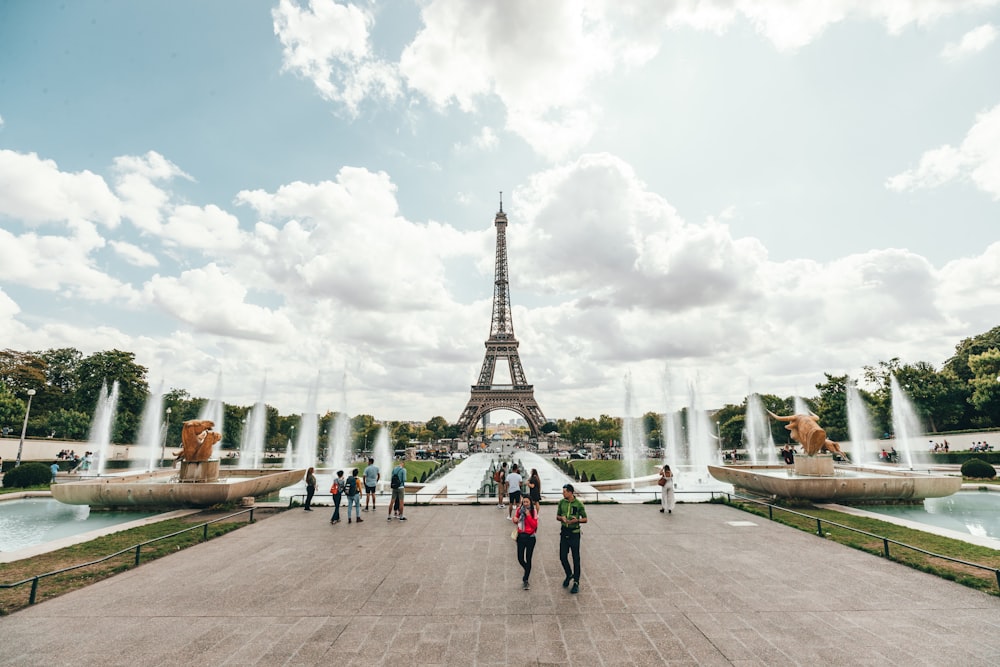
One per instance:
(963, 394)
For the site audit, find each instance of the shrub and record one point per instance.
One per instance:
(593, 477)
(978, 469)
(27, 474)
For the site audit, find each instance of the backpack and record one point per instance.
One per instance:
(335, 489)
(352, 486)
(498, 476)
(394, 482)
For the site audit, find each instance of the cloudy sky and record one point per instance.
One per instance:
(726, 194)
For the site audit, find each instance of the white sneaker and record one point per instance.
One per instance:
(402, 518)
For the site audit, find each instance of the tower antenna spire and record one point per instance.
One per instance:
(501, 201)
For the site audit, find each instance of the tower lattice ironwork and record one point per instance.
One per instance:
(519, 396)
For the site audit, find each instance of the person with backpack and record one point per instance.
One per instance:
(500, 477)
(337, 490)
(526, 519)
(353, 489)
(398, 484)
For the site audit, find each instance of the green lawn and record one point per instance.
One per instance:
(605, 470)
(414, 469)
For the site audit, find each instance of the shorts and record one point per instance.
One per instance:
(369, 489)
(398, 494)
(515, 497)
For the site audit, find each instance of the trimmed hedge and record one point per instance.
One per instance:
(27, 474)
(978, 469)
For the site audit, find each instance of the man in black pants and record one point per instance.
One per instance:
(571, 514)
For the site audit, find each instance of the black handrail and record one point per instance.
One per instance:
(885, 540)
(138, 550)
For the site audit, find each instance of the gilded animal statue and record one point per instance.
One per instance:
(197, 440)
(806, 431)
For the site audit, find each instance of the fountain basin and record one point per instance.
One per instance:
(160, 490)
(851, 485)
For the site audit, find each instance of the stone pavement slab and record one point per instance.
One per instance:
(444, 589)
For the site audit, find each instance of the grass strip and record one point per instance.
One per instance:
(12, 599)
(984, 580)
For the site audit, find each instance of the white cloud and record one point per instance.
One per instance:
(978, 158)
(212, 301)
(328, 43)
(35, 191)
(542, 60)
(143, 202)
(207, 228)
(973, 41)
(60, 264)
(133, 254)
(346, 241)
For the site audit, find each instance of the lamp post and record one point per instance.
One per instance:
(163, 443)
(24, 427)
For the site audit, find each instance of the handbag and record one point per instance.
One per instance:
(513, 535)
(662, 481)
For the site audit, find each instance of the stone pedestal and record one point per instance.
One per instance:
(820, 465)
(199, 471)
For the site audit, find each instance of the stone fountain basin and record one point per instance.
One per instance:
(852, 485)
(161, 490)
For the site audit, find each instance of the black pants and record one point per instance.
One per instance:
(570, 542)
(336, 507)
(525, 547)
(310, 490)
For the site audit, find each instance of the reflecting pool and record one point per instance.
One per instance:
(26, 522)
(973, 512)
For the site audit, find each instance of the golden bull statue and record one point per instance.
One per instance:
(806, 431)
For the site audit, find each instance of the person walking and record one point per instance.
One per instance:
(372, 476)
(54, 468)
(353, 485)
(526, 519)
(310, 489)
(570, 513)
(513, 482)
(337, 490)
(398, 485)
(535, 490)
(500, 477)
(666, 483)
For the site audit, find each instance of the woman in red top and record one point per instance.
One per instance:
(526, 520)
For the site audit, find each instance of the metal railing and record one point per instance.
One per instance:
(886, 541)
(137, 548)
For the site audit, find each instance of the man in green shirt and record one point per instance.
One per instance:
(571, 514)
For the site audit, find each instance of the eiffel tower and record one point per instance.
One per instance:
(486, 396)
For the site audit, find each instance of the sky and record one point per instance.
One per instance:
(708, 198)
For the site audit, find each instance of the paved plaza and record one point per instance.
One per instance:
(707, 585)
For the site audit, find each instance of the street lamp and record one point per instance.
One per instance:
(163, 442)
(24, 427)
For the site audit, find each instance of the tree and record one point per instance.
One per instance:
(985, 385)
(831, 408)
(437, 427)
(959, 363)
(68, 424)
(11, 410)
(549, 427)
(103, 368)
(939, 398)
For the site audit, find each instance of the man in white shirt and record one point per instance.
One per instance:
(514, 489)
